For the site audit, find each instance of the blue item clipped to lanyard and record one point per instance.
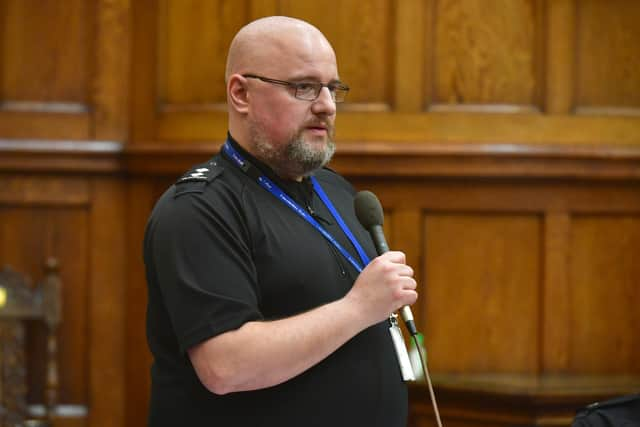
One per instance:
(277, 192)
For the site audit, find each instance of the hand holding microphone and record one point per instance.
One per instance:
(369, 213)
(385, 285)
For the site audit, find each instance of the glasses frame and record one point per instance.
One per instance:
(343, 88)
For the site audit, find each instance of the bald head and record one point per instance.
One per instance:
(261, 45)
(290, 134)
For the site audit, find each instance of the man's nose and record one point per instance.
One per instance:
(324, 104)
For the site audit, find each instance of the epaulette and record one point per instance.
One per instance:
(195, 180)
(628, 402)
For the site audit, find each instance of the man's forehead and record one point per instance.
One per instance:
(304, 54)
(280, 43)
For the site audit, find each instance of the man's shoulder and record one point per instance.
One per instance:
(198, 178)
(329, 176)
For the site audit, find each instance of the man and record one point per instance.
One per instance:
(258, 314)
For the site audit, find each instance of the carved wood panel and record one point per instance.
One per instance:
(487, 53)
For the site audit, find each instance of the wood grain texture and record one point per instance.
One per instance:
(410, 51)
(482, 276)
(110, 94)
(608, 55)
(45, 50)
(44, 125)
(106, 304)
(144, 75)
(560, 59)
(141, 197)
(605, 271)
(192, 63)
(408, 236)
(555, 293)
(24, 156)
(487, 53)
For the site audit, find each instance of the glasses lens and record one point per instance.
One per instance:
(308, 91)
(311, 91)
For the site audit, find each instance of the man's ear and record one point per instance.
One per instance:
(238, 94)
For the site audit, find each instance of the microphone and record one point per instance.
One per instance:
(370, 215)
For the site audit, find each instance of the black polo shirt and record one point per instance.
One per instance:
(221, 251)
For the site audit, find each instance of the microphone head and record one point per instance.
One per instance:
(368, 209)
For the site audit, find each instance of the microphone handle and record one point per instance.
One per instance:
(377, 235)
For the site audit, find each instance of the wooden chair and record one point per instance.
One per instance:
(19, 302)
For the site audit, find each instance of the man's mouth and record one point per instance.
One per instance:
(318, 128)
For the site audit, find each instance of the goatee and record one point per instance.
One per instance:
(298, 158)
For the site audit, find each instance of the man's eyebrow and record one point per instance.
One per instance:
(314, 79)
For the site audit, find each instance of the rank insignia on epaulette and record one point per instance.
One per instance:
(195, 175)
(197, 179)
(201, 173)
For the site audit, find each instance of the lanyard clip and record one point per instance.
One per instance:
(406, 371)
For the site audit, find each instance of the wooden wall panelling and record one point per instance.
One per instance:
(473, 160)
(192, 52)
(191, 90)
(143, 71)
(48, 217)
(106, 304)
(260, 8)
(485, 128)
(483, 275)
(407, 235)
(555, 292)
(560, 59)
(488, 56)
(542, 258)
(411, 73)
(529, 69)
(141, 199)
(605, 272)
(110, 90)
(608, 55)
(46, 69)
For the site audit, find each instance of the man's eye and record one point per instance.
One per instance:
(306, 86)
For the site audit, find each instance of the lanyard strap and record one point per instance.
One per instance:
(338, 218)
(277, 192)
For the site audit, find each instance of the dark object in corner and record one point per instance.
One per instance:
(619, 412)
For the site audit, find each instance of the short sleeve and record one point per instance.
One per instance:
(198, 248)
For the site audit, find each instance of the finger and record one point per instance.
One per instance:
(395, 257)
(405, 296)
(409, 284)
(405, 271)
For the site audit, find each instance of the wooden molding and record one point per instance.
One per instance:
(498, 160)
(392, 159)
(60, 156)
(513, 399)
(384, 159)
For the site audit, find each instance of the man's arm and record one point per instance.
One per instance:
(264, 354)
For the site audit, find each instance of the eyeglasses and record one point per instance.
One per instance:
(308, 91)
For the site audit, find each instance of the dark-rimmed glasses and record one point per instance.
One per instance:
(308, 91)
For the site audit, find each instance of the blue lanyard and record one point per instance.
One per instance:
(272, 188)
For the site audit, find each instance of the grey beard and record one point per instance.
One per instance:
(296, 159)
(307, 160)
